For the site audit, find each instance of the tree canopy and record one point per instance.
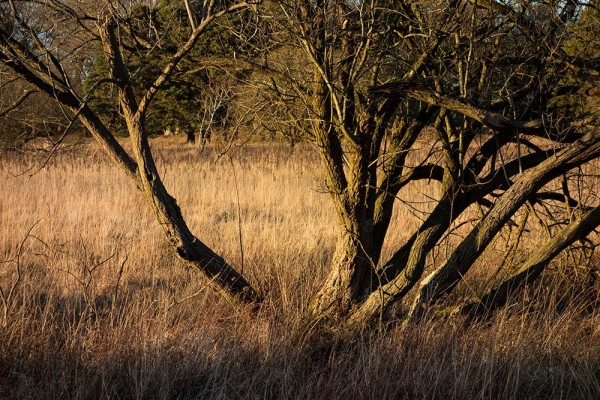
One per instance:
(460, 93)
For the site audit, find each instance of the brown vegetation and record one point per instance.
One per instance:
(103, 308)
(458, 152)
(478, 92)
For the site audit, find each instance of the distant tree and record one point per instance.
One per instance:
(583, 51)
(156, 30)
(25, 114)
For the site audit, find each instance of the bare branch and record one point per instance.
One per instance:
(490, 119)
(531, 269)
(17, 102)
(183, 51)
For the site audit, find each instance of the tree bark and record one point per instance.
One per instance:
(188, 247)
(446, 277)
(350, 278)
(531, 269)
(404, 269)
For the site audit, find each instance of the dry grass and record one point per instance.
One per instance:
(104, 310)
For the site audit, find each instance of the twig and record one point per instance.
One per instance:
(7, 296)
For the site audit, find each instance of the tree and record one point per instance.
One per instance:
(30, 46)
(459, 93)
(583, 45)
(156, 31)
(20, 109)
(367, 82)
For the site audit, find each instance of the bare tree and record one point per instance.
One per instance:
(25, 114)
(468, 88)
(214, 112)
(33, 43)
(461, 93)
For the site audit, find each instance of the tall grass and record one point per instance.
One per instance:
(102, 308)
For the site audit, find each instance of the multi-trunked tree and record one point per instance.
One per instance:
(474, 91)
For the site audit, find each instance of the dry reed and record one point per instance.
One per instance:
(102, 308)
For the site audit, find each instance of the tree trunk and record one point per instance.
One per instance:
(446, 277)
(403, 270)
(350, 278)
(190, 137)
(188, 247)
(409, 268)
(532, 268)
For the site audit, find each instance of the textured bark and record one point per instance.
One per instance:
(532, 268)
(356, 253)
(405, 268)
(347, 171)
(348, 281)
(446, 277)
(402, 272)
(188, 247)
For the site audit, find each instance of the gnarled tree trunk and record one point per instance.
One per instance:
(447, 276)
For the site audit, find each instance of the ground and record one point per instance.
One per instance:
(103, 309)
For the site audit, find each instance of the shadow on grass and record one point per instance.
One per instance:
(57, 349)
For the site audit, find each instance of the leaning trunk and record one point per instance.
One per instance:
(188, 247)
(532, 268)
(446, 277)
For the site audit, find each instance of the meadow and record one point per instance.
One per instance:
(96, 305)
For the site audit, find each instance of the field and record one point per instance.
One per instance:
(101, 308)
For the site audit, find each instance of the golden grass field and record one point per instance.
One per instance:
(103, 309)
